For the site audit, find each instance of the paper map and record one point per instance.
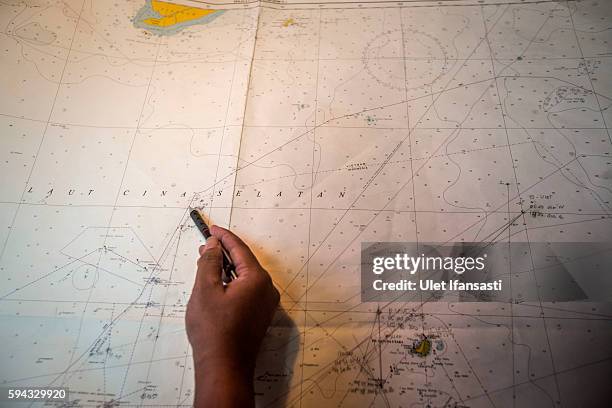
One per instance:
(307, 128)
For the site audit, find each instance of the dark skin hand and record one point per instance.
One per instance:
(226, 325)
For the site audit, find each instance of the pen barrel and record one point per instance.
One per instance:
(229, 270)
(200, 224)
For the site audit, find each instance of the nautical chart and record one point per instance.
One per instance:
(308, 128)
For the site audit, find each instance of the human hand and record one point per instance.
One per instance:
(226, 325)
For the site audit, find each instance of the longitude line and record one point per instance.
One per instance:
(144, 104)
(588, 74)
(414, 201)
(227, 108)
(520, 201)
(244, 117)
(312, 183)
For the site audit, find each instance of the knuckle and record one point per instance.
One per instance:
(210, 256)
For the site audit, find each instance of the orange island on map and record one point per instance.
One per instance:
(165, 18)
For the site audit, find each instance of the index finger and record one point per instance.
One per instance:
(241, 254)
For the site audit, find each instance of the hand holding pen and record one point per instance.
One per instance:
(226, 322)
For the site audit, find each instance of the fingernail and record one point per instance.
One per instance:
(212, 242)
(201, 249)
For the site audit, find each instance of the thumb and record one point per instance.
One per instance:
(209, 265)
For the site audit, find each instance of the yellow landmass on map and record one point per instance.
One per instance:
(422, 348)
(174, 14)
(289, 22)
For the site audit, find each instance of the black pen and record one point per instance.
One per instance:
(229, 270)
